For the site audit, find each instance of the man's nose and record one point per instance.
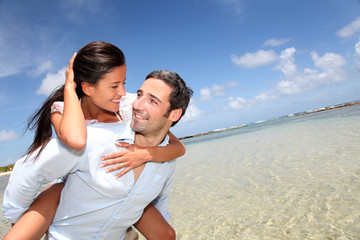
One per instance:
(139, 103)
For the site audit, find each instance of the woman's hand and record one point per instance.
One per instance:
(69, 82)
(129, 158)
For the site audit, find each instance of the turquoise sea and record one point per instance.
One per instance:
(287, 178)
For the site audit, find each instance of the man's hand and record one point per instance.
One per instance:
(129, 158)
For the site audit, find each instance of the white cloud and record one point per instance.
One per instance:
(330, 70)
(287, 62)
(349, 29)
(328, 61)
(273, 42)
(52, 81)
(357, 54)
(266, 96)
(205, 94)
(6, 136)
(295, 82)
(218, 90)
(42, 68)
(237, 103)
(192, 113)
(357, 48)
(253, 60)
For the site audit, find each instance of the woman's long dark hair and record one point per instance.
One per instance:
(91, 63)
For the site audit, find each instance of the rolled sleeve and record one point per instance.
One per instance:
(29, 174)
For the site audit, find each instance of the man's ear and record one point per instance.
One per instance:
(87, 88)
(175, 114)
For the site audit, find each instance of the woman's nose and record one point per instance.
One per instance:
(121, 91)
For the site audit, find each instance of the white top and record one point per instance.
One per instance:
(94, 204)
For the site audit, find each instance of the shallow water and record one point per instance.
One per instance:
(291, 178)
(296, 178)
(4, 224)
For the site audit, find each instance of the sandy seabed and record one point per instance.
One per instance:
(296, 179)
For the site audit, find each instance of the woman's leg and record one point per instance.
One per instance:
(153, 226)
(37, 219)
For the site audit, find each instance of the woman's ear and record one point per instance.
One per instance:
(87, 88)
(175, 115)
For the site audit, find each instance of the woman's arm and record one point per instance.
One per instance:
(152, 225)
(135, 155)
(70, 126)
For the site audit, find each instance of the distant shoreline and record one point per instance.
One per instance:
(289, 115)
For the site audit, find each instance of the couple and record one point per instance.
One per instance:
(94, 204)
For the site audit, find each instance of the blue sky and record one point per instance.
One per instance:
(245, 60)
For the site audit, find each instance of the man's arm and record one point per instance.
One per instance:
(27, 176)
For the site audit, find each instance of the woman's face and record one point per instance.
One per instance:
(107, 92)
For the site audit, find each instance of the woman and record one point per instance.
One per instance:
(97, 79)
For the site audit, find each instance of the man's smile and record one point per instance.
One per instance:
(139, 116)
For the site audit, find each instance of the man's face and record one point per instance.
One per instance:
(150, 107)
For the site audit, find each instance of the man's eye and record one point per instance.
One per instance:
(114, 86)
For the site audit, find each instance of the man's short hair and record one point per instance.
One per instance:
(180, 94)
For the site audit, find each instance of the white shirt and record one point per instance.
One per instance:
(93, 204)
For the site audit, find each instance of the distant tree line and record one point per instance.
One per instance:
(6, 168)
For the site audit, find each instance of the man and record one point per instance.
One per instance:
(94, 204)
